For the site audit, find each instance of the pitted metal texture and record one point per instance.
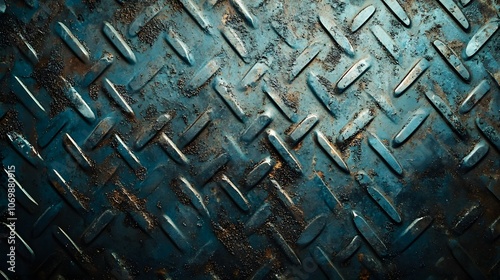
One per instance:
(266, 139)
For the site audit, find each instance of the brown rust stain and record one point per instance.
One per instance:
(47, 74)
(83, 199)
(175, 5)
(298, 146)
(128, 12)
(149, 32)
(244, 257)
(59, 188)
(92, 4)
(125, 201)
(75, 66)
(364, 274)
(10, 122)
(456, 45)
(281, 172)
(487, 10)
(181, 196)
(94, 90)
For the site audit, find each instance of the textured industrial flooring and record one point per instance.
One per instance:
(238, 139)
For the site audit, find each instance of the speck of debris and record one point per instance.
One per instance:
(181, 196)
(149, 32)
(91, 4)
(191, 149)
(122, 91)
(288, 221)
(332, 59)
(119, 200)
(83, 199)
(8, 29)
(175, 5)
(327, 84)
(47, 74)
(181, 83)
(8, 123)
(94, 90)
(128, 12)
(141, 173)
(356, 144)
(281, 172)
(291, 99)
(7, 97)
(150, 113)
(245, 257)
(36, 33)
(196, 91)
(127, 202)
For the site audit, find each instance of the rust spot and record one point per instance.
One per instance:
(181, 196)
(8, 27)
(278, 165)
(91, 4)
(330, 88)
(281, 172)
(47, 74)
(75, 66)
(175, 5)
(299, 145)
(141, 173)
(162, 272)
(244, 256)
(364, 274)
(59, 188)
(149, 32)
(408, 6)
(361, 257)
(125, 201)
(94, 90)
(487, 10)
(10, 122)
(456, 46)
(83, 199)
(288, 221)
(292, 99)
(268, 253)
(225, 18)
(105, 170)
(128, 12)
(332, 59)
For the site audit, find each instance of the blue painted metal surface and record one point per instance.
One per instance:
(259, 139)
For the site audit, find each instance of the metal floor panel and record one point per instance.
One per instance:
(237, 139)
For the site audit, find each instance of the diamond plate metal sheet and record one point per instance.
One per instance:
(266, 139)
